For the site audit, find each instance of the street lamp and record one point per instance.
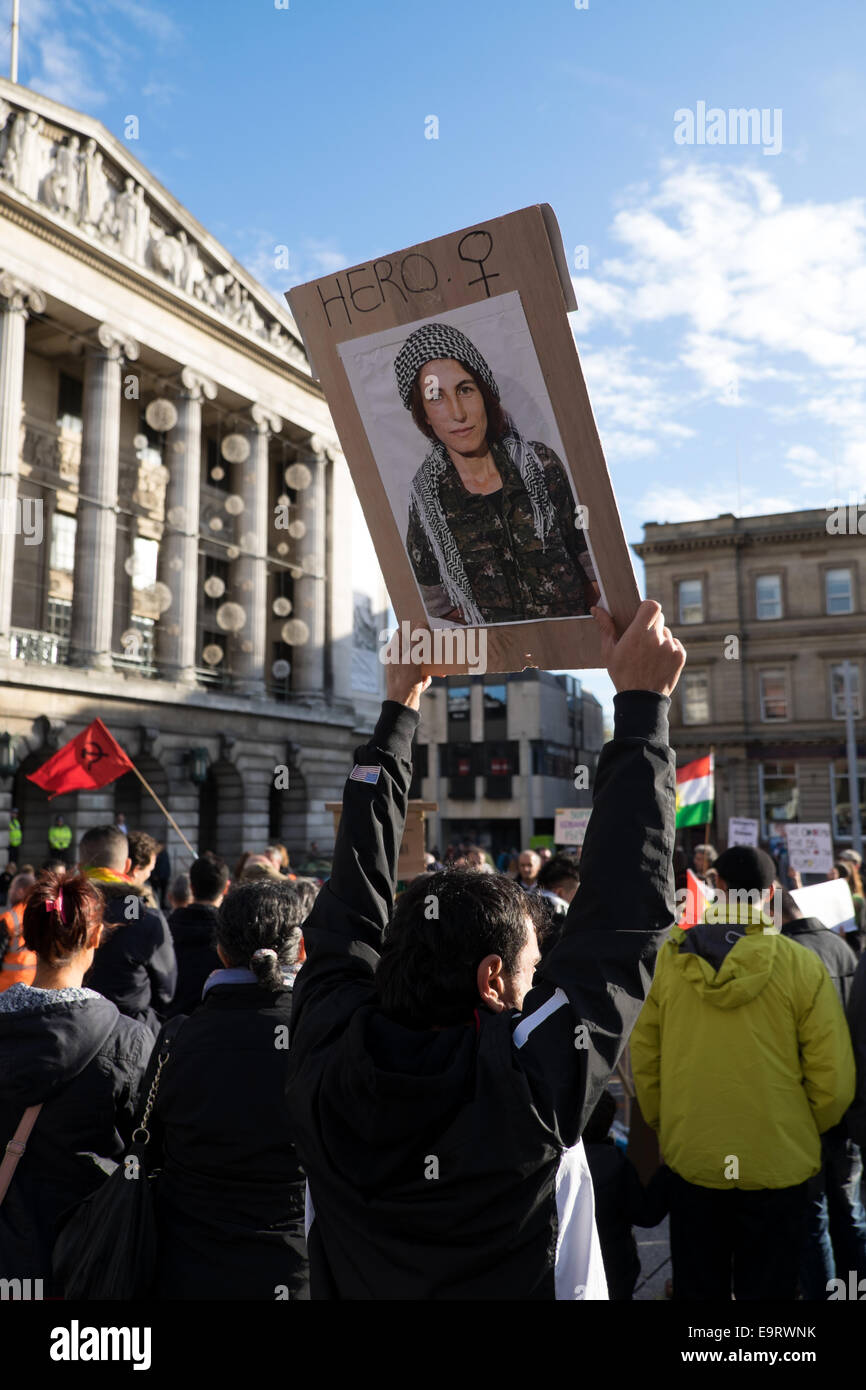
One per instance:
(198, 765)
(8, 760)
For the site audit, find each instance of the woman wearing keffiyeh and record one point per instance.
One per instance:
(492, 535)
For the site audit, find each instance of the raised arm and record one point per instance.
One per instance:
(577, 1019)
(343, 933)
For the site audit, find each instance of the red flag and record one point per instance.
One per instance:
(91, 759)
(696, 901)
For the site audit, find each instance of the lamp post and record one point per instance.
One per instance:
(198, 765)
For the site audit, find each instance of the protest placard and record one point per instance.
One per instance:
(570, 825)
(810, 847)
(830, 902)
(742, 831)
(452, 377)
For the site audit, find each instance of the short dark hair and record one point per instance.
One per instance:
(54, 937)
(498, 423)
(265, 914)
(208, 876)
(142, 848)
(743, 866)
(427, 971)
(562, 868)
(103, 847)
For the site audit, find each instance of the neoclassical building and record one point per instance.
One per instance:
(181, 550)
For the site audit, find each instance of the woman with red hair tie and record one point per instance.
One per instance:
(68, 1050)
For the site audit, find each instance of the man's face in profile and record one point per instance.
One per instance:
(518, 984)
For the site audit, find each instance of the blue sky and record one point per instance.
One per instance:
(722, 320)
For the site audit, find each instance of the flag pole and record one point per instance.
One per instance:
(713, 802)
(170, 818)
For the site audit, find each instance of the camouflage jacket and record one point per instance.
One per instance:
(512, 576)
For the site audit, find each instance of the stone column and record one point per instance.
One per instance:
(308, 665)
(95, 539)
(16, 299)
(250, 570)
(176, 632)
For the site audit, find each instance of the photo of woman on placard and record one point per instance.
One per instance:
(491, 534)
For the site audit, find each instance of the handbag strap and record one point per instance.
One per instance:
(169, 1034)
(15, 1148)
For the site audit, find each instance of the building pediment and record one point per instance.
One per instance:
(71, 170)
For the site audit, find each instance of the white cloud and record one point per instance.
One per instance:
(725, 294)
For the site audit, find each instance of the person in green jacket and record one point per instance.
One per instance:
(59, 838)
(741, 1059)
(15, 834)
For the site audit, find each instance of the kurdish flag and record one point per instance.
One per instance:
(695, 792)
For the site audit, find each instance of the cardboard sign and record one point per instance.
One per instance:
(570, 825)
(742, 831)
(830, 902)
(810, 847)
(453, 380)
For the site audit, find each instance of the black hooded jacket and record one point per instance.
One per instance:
(193, 932)
(447, 1163)
(135, 965)
(75, 1053)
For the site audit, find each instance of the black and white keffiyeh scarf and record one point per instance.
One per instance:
(428, 343)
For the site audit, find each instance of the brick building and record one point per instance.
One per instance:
(769, 607)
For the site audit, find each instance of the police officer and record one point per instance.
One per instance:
(59, 838)
(14, 834)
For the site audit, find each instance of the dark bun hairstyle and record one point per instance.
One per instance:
(259, 926)
(56, 933)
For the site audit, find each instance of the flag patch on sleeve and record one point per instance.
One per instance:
(362, 773)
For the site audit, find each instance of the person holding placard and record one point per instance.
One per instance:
(492, 533)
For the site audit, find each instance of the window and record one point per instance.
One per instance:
(837, 690)
(495, 711)
(70, 396)
(59, 617)
(696, 697)
(218, 472)
(774, 695)
(839, 590)
(458, 711)
(840, 797)
(768, 596)
(145, 553)
(553, 760)
(780, 795)
(63, 530)
(691, 592)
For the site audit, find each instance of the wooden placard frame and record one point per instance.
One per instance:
(521, 252)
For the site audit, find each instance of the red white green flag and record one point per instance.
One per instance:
(695, 792)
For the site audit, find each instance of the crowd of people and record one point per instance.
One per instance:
(366, 1093)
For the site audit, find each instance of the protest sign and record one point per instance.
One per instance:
(570, 825)
(810, 847)
(830, 902)
(453, 380)
(742, 831)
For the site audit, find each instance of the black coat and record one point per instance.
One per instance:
(231, 1194)
(836, 954)
(135, 965)
(193, 931)
(447, 1163)
(85, 1062)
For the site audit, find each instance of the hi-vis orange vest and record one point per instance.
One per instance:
(19, 964)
